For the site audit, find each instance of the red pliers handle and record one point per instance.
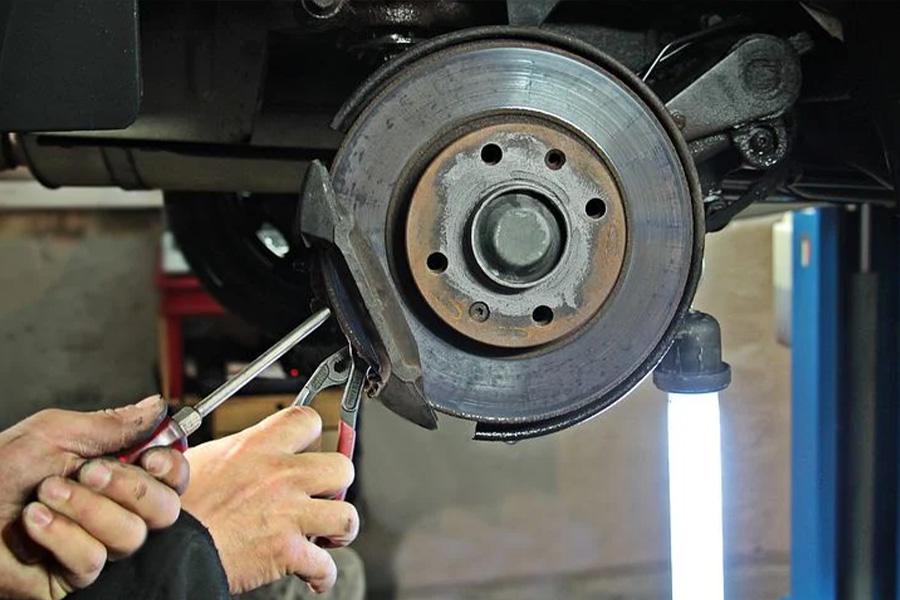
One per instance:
(350, 401)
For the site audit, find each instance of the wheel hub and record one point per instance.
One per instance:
(499, 219)
(516, 238)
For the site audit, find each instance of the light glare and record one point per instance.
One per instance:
(695, 497)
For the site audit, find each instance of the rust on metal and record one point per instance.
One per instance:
(461, 178)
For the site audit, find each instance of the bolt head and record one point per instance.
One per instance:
(762, 141)
(479, 311)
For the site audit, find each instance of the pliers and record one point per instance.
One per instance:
(331, 372)
(342, 367)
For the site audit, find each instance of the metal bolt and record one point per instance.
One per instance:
(479, 311)
(680, 119)
(762, 141)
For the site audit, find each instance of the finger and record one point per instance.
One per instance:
(79, 555)
(105, 431)
(168, 466)
(332, 519)
(322, 473)
(310, 563)
(121, 531)
(134, 489)
(291, 430)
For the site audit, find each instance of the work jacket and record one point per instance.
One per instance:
(177, 563)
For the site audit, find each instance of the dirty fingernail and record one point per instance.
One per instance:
(95, 475)
(39, 515)
(156, 463)
(56, 489)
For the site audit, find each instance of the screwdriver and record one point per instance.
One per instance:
(174, 430)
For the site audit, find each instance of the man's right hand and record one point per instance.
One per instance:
(65, 509)
(262, 501)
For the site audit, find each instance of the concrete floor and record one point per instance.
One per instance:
(580, 514)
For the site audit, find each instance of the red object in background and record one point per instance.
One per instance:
(180, 296)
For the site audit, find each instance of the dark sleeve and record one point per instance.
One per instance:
(178, 563)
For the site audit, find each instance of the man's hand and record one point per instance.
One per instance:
(65, 509)
(261, 501)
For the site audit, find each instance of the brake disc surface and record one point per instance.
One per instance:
(539, 216)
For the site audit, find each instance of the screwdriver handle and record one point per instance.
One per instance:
(168, 434)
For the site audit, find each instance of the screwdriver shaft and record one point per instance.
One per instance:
(260, 364)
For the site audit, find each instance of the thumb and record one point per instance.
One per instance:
(110, 430)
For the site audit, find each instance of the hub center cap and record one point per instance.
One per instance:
(516, 238)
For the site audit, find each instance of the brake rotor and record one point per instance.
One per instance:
(538, 216)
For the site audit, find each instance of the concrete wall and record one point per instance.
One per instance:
(582, 513)
(77, 309)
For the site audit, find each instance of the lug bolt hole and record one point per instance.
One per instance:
(491, 154)
(595, 208)
(436, 262)
(542, 315)
(555, 159)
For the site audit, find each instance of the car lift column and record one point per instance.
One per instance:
(844, 404)
(814, 386)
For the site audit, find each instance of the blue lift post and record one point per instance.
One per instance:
(815, 329)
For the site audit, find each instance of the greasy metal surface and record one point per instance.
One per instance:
(538, 391)
(448, 198)
(759, 78)
(762, 145)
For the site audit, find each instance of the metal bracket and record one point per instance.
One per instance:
(529, 12)
(322, 217)
(720, 211)
(760, 78)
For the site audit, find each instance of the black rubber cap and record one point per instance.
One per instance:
(693, 365)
